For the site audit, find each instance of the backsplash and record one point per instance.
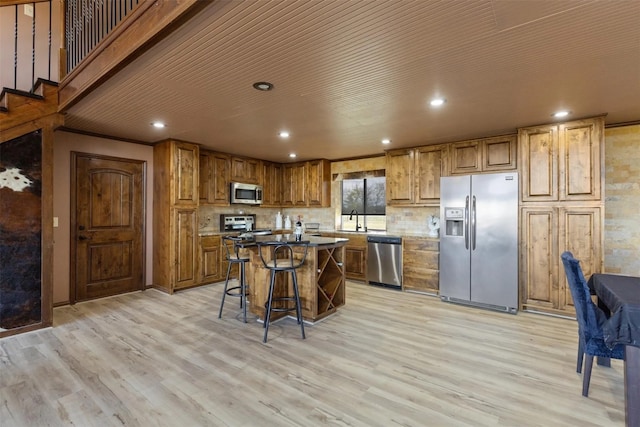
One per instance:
(209, 216)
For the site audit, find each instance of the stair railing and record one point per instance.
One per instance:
(31, 58)
(87, 23)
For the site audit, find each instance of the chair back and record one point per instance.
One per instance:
(586, 311)
(231, 248)
(282, 254)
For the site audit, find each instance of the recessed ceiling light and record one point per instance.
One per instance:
(437, 102)
(284, 134)
(264, 86)
(292, 155)
(560, 114)
(158, 125)
(386, 141)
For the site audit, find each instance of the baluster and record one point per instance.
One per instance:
(15, 50)
(33, 47)
(49, 46)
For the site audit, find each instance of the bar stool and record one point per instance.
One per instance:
(282, 259)
(234, 257)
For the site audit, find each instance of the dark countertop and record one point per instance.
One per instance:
(314, 241)
(346, 233)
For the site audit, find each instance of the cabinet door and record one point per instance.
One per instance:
(272, 183)
(219, 183)
(245, 170)
(299, 184)
(499, 154)
(186, 161)
(287, 185)
(399, 176)
(210, 270)
(205, 172)
(420, 265)
(214, 178)
(580, 150)
(465, 157)
(580, 232)
(539, 156)
(540, 258)
(356, 262)
(185, 240)
(319, 183)
(430, 165)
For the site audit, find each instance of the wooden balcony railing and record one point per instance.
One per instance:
(26, 48)
(87, 23)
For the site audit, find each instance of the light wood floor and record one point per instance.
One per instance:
(386, 359)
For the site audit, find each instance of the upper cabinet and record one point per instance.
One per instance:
(272, 184)
(430, 164)
(179, 166)
(563, 161)
(487, 154)
(215, 171)
(319, 183)
(307, 184)
(413, 175)
(244, 169)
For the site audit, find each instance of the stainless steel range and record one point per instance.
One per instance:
(244, 224)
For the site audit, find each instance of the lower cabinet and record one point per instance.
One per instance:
(420, 264)
(355, 264)
(211, 259)
(546, 232)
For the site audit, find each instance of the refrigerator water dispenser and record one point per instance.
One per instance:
(454, 221)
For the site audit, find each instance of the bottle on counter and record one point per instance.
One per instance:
(278, 221)
(298, 229)
(287, 223)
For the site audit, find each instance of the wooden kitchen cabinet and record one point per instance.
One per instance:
(299, 184)
(355, 264)
(562, 209)
(246, 170)
(307, 184)
(562, 162)
(413, 175)
(399, 177)
(175, 210)
(546, 232)
(294, 179)
(211, 259)
(272, 184)
(420, 264)
(318, 183)
(484, 155)
(356, 257)
(215, 173)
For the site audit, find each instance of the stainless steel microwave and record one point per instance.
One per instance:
(248, 194)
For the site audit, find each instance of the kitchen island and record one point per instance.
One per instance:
(321, 279)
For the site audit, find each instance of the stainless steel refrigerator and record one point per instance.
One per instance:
(479, 240)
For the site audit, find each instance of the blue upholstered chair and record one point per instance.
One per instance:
(590, 319)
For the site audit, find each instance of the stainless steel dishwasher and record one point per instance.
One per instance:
(384, 261)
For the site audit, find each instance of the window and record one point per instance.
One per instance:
(364, 201)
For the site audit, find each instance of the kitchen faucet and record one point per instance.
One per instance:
(354, 211)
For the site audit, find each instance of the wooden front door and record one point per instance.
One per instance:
(107, 223)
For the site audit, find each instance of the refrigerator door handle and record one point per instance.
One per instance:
(473, 224)
(466, 223)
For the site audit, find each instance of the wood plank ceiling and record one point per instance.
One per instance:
(349, 73)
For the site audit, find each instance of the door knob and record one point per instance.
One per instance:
(83, 238)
